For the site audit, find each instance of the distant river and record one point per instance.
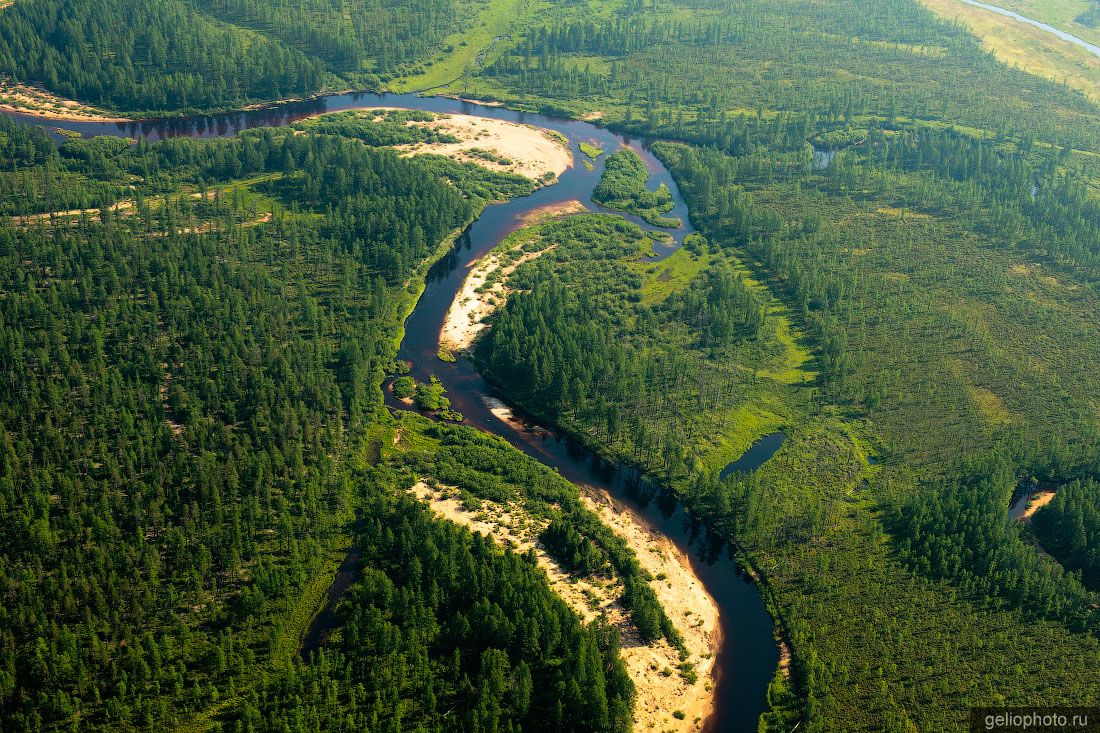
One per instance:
(1090, 47)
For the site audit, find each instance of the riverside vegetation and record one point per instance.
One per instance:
(927, 300)
(940, 273)
(192, 422)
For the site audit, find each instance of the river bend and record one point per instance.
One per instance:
(748, 656)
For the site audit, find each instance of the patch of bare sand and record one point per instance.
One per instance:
(1037, 501)
(211, 226)
(287, 100)
(126, 208)
(690, 607)
(784, 656)
(475, 300)
(661, 689)
(553, 211)
(38, 102)
(480, 102)
(524, 149)
(46, 216)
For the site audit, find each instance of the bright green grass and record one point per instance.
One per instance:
(670, 275)
(592, 151)
(497, 19)
(793, 367)
(1061, 14)
(740, 427)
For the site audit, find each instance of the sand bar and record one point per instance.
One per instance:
(28, 100)
(661, 690)
(475, 301)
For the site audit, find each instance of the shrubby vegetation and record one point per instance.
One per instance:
(623, 187)
(429, 396)
(842, 137)
(378, 129)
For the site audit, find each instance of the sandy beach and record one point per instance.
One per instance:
(474, 302)
(529, 151)
(29, 100)
(653, 668)
(1037, 501)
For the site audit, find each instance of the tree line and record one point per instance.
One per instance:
(187, 379)
(442, 631)
(147, 57)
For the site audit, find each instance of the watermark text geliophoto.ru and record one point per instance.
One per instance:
(1035, 720)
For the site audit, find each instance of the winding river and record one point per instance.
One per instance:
(1090, 47)
(748, 654)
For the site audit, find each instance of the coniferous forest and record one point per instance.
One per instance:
(188, 380)
(894, 265)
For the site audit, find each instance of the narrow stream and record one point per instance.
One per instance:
(1090, 47)
(748, 655)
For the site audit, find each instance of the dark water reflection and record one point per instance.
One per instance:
(756, 455)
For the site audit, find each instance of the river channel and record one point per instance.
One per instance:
(748, 655)
(1090, 47)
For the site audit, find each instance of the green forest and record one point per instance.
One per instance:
(147, 56)
(441, 631)
(1067, 529)
(940, 274)
(896, 263)
(191, 417)
(175, 56)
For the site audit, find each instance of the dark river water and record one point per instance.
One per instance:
(755, 456)
(748, 655)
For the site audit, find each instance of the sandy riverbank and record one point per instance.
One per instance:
(36, 102)
(475, 302)
(690, 607)
(530, 151)
(1037, 501)
(661, 689)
